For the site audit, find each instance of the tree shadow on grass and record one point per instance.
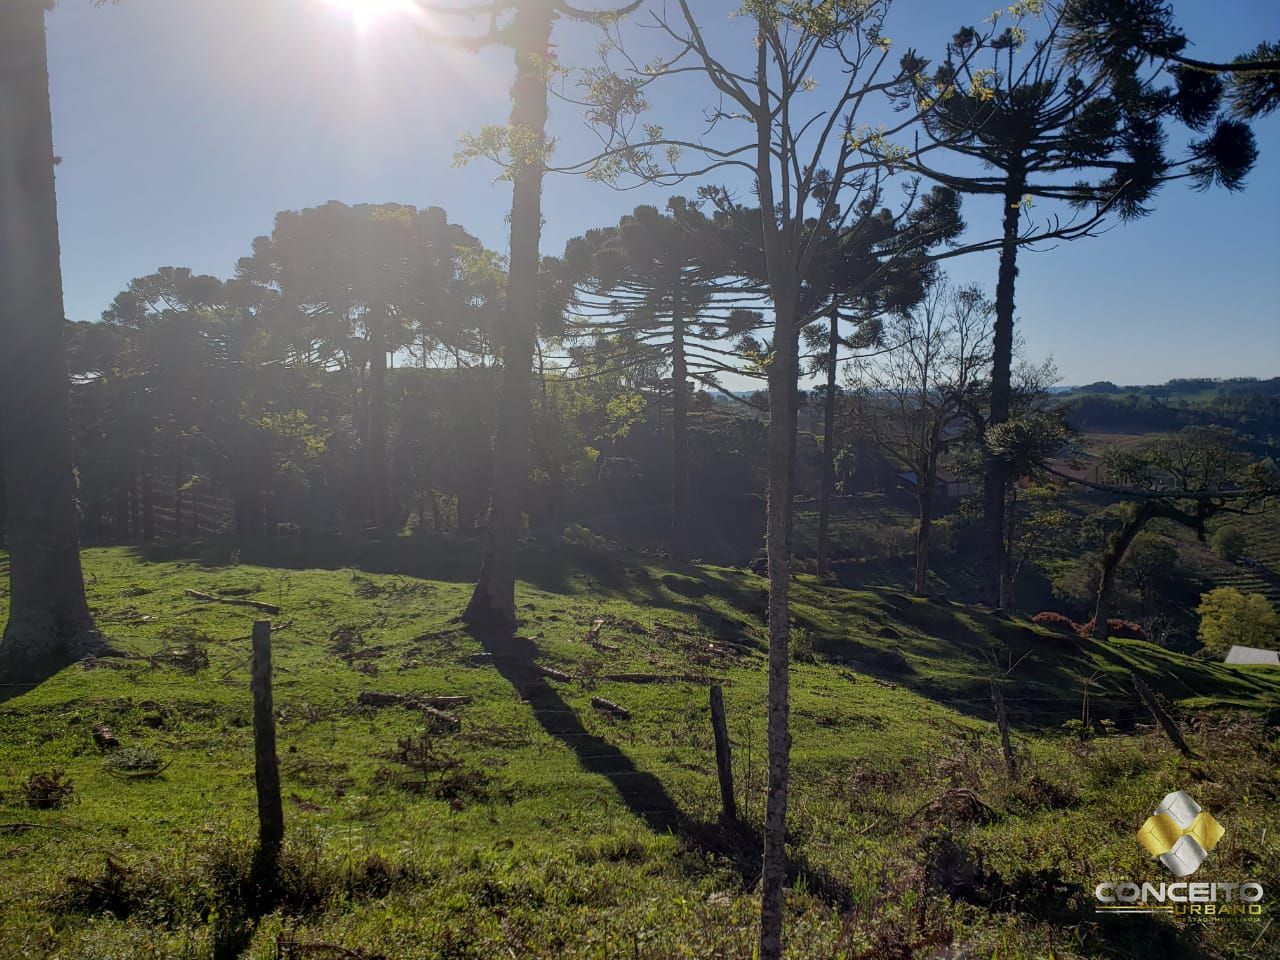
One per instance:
(449, 558)
(641, 792)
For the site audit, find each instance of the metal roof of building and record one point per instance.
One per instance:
(1253, 655)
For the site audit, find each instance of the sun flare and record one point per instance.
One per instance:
(367, 13)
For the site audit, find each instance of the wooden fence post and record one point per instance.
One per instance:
(266, 766)
(724, 757)
(1170, 727)
(1002, 721)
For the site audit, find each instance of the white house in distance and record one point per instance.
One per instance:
(1237, 654)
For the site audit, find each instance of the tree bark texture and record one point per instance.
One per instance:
(781, 450)
(49, 623)
(679, 437)
(493, 602)
(828, 448)
(994, 588)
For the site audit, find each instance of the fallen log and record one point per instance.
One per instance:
(1167, 723)
(443, 703)
(484, 659)
(656, 678)
(553, 673)
(233, 601)
(611, 708)
(375, 698)
(372, 698)
(443, 720)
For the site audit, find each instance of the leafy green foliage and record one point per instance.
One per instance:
(1229, 544)
(1229, 617)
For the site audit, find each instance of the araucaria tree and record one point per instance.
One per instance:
(802, 149)
(659, 286)
(1113, 33)
(910, 399)
(49, 623)
(1042, 127)
(877, 266)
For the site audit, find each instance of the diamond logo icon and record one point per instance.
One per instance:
(1180, 834)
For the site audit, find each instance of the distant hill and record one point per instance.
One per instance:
(1182, 388)
(1249, 406)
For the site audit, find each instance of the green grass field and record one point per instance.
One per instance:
(544, 827)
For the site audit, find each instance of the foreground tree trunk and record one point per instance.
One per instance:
(493, 603)
(1123, 538)
(783, 409)
(549, 451)
(679, 437)
(995, 586)
(828, 448)
(49, 623)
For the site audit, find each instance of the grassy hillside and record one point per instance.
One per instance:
(544, 827)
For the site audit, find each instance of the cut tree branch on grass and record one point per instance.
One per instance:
(1167, 723)
(233, 601)
(611, 708)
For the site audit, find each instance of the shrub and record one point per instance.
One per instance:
(48, 791)
(1124, 629)
(1229, 617)
(1229, 544)
(801, 645)
(1057, 622)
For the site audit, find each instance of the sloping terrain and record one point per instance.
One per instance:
(544, 825)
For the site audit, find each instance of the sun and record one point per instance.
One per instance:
(366, 13)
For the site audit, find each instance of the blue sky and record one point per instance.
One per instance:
(184, 125)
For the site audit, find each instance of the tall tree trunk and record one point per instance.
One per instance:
(550, 452)
(376, 436)
(996, 477)
(1010, 527)
(493, 603)
(828, 447)
(49, 623)
(1117, 547)
(679, 436)
(924, 499)
(783, 409)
